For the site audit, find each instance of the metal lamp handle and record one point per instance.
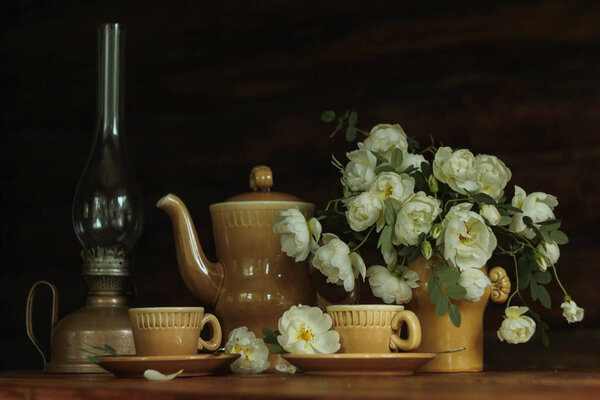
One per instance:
(29, 314)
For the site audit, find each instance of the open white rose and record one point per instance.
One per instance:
(360, 171)
(254, 351)
(490, 213)
(389, 287)
(551, 254)
(395, 186)
(571, 312)
(475, 282)
(466, 239)
(337, 263)
(307, 330)
(516, 327)
(416, 216)
(363, 211)
(457, 169)
(493, 175)
(538, 206)
(298, 237)
(384, 138)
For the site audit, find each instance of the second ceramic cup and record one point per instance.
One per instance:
(173, 331)
(375, 328)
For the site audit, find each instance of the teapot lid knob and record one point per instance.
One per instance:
(261, 178)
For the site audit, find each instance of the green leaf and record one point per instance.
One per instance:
(524, 279)
(384, 168)
(426, 168)
(441, 305)
(352, 118)
(396, 159)
(420, 182)
(380, 159)
(508, 207)
(389, 212)
(528, 221)
(328, 116)
(559, 237)
(92, 359)
(385, 239)
(550, 225)
(545, 338)
(456, 292)
(544, 297)
(110, 349)
(533, 287)
(484, 198)
(338, 128)
(504, 220)
(454, 314)
(543, 277)
(350, 133)
(545, 236)
(416, 253)
(448, 276)
(406, 251)
(276, 349)
(435, 295)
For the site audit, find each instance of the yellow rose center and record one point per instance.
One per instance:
(306, 334)
(238, 349)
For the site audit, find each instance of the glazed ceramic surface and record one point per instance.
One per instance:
(254, 282)
(374, 328)
(359, 364)
(439, 334)
(198, 365)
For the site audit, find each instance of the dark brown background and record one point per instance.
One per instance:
(214, 88)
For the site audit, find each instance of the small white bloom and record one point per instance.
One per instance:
(516, 327)
(298, 237)
(411, 160)
(571, 312)
(416, 216)
(490, 213)
(360, 171)
(475, 282)
(389, 287)
(335, 261)
(254, 351)
(457, 169)
(551, 254)
(538, 206)
(154, 375)
(384, 138)
(467, 240)
(285, 369)
(363, 211)
(395, 186)
(493, 175)
(306, 330)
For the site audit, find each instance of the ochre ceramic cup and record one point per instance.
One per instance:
(172, 331)
(374, 328)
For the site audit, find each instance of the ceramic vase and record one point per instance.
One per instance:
(440, 335)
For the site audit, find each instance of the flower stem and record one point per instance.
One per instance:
(559, 282)
(363, 241)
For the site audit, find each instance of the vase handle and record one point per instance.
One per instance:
(414, 331)
(500, 285)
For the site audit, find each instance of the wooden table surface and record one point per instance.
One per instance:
(564, 384)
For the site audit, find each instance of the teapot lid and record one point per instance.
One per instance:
(261, 181)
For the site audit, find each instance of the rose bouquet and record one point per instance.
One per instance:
(441, 203)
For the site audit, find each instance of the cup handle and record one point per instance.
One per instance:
(29, 314)
(215, 330)
(414, 331)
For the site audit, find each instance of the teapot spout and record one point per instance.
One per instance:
(202, 277)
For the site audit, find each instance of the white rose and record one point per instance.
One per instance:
(416, 216)
(571, 312)
(467, 241)
(360, 171)
(493, 175)
(538, 206)
(254, 351)
(363, 211)
(335, 261)
(395, 186)
(307, 330)
(389, 287)
(384, 138)
(516, 327)
(490, 213)
(475, 282)
(457, 169)
(412, 160)
(298, 237)
(551, 253)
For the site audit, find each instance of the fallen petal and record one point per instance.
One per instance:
(153, 375)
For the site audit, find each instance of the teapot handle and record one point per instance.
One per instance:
(29, 314)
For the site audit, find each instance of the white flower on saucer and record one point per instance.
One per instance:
(307, 330)
(337, 263)
(360, 171)
(385, 138)
(391, 288)
(571, 312)
(285, 369)
(516, 327)
(298, 237)
(254, 351)
(475, 282)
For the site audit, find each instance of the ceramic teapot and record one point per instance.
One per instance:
(254, 282)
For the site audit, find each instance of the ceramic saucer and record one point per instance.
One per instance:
(197, 365)
(359, 363)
